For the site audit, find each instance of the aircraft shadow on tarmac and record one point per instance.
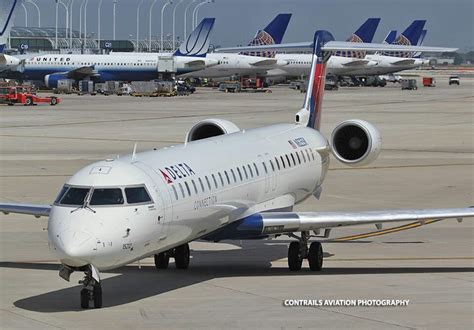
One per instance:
(133, 284)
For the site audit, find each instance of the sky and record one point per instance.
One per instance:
(449, 22)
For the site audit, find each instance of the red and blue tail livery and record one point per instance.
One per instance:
(314, 94)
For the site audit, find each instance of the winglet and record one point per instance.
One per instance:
(310, 115)
(197, 43)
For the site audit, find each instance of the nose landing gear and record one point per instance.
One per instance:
(180, 254)
(92, 290)
(297, 251)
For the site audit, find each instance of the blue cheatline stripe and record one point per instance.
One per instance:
(8, 19)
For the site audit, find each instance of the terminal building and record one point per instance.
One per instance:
(34, 39)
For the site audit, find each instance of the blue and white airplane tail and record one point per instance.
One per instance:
(197, 43)
(420, 43)
(409, 37)
(272, 34)
(390, 38)
(365, 33)
(7, 14)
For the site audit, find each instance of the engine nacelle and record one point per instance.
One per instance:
(356, 142)
(211, 127)
(51, 80)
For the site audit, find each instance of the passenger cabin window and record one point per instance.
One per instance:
(298, 156)
(278, 163)
(283, 161)
(194, 186)
(175, 192)
(182, 190)
(265, 167)
(215, 181)
(187, 188)
(245, 172)
(208, 183)
(288, 160)
(307, 154)
(240, 174)
(293, 158)
(107, 196)
(74, 196)
(136, 195)
(256, 169)
(233, 175)
(227, 177)
(201, 184)
(250, 170)
(220, 178)
(273, 166)
(304, 157)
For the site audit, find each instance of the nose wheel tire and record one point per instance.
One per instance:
(97, 296)
(315, 256)
(162, 260)
(181, 256)
(84, 298)
(295, 259)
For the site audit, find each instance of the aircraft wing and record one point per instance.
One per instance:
(265, 62)
(407, 61)
(32, 209)
(339, 46)
(263, 224)
(80, 73)
(356, 63)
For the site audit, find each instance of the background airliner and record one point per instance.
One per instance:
(121, 67)
(222, 183)
(249, 63)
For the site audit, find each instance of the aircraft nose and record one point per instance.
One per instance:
(75, 248)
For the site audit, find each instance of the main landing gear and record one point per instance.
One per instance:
(92, 290)
(297, 251)
(180, 254)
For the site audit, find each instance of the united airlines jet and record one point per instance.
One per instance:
(190, 56)
(153, 203)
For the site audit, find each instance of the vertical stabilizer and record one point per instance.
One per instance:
(197, 43)
(409, 37)
(310, 115)
(272, 34)
(7, 14)
(365, 33)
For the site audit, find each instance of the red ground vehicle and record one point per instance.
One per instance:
(24, 95)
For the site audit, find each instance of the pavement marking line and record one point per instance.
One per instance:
(383, 232)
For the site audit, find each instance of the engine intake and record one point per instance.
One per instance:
(356, 142)
(209, 128)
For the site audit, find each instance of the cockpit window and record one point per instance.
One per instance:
(137, 195)
(61, 194)
(106, 196)
(74, 196)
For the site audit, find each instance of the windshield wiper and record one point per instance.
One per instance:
(85, 204)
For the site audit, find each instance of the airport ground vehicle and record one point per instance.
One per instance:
(429, 82)
(24, 95)
(454, 80)
(409, 84)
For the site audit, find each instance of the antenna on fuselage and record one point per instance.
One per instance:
(134, 154)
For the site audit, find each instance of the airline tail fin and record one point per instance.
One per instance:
(197, 43)
(409, 37)
(272, 34)
(7, 14)
(420, 43)
(390, 38)
(365, 33)
(310, 114)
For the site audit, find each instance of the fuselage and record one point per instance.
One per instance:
(120, 67)
(300, 65)
(230, 64)
(194, 189)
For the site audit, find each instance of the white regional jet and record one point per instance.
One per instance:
(117, 211)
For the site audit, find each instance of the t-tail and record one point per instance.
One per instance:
(365, 33)
(310, 114)
(7, 14)
(272, 34)
(409, 37)
(197, 43)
